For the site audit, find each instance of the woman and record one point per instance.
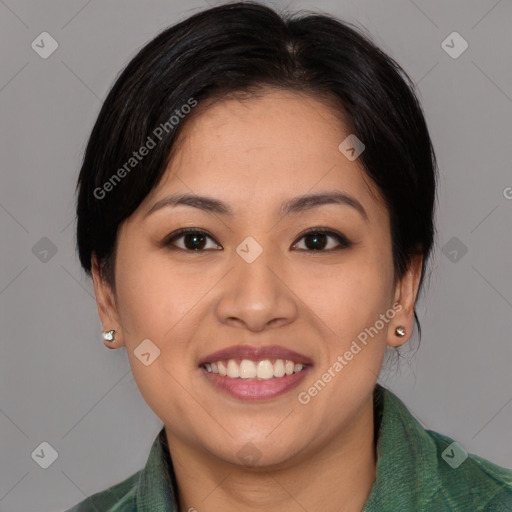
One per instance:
(256, 208)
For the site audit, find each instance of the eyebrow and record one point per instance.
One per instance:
(296, 205)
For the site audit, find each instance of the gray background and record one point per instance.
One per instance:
(59, 384)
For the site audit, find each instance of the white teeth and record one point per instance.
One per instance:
(222, 368)
(265, 369)
(233, 369)
(247, 369)
(279, 370)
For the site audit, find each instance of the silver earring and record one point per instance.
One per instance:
(400, 331)
(109, 335)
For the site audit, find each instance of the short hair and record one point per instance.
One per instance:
(245, 47)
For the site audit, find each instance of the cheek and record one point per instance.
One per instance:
(141, 303)
(152, 295)
(355, 343)
(153, 303)
(349, 297)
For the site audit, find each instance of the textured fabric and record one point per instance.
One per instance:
(413, 476)
(417, 471)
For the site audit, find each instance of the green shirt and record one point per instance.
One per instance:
(417, 470)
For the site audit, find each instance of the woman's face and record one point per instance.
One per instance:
(257, 280)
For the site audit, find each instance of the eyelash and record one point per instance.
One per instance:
(344, 242)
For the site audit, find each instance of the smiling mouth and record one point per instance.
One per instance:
(263, 369)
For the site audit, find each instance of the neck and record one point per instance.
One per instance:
(341, 471)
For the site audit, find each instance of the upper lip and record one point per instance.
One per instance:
(255, 354)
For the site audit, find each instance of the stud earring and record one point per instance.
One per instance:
(109, 336)
(400, 331)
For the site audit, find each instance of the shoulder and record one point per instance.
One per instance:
(118, 498)
(420, 469)
(470, 480)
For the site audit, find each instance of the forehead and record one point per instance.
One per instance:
(261, 124)
(256, 149)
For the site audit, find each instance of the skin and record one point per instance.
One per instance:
(253, 154)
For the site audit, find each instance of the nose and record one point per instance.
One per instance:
(258, 295)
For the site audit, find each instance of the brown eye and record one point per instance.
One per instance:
(317, 239)
(193, 240)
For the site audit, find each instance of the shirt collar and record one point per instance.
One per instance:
(406, 472)
(157, 489)
(405, 463)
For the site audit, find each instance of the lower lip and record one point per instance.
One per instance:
(253, 389)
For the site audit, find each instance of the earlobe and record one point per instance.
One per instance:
(107, 309)
(405, 294)
(110, 339)
(400, 331)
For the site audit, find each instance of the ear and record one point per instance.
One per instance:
(406, 291)
(106, 303)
